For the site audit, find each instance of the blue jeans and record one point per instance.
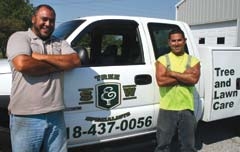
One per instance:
(170, 121)
(35, 133)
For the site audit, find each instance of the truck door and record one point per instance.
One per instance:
(112, 95)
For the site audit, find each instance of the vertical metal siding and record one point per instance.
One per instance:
(206, 11)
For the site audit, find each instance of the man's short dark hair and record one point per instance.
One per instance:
(36, 9)
(176, 31)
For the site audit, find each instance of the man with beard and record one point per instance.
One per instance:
(37, 61)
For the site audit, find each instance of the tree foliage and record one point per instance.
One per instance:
(15, 15)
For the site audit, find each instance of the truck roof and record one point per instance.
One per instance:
(142, 18)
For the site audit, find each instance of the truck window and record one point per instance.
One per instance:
(110, 42)
(159, 36)
(65, 29)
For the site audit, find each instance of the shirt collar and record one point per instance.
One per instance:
(32, 35)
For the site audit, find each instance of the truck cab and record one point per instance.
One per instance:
(114, 94)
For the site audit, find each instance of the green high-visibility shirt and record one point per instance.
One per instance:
(177, 97)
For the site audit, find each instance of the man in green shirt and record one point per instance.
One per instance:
(176, 74)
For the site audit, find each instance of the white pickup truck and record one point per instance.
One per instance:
(114, 95)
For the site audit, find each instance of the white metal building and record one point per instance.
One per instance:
(214, 22)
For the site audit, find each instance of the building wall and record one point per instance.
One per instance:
(212, 20)
(196, 12)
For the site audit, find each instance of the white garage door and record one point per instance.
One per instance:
(216, 34)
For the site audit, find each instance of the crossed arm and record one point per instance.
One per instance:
(40, 64)
(166, 77)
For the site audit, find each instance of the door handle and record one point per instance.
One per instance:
(238, 84)
(143, 79)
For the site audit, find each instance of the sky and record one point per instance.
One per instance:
(71, 9)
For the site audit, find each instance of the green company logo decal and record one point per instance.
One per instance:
(108, 95)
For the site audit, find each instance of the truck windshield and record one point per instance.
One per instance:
(65, 29)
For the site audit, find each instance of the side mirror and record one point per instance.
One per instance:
(83, 54)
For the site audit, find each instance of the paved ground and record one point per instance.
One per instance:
(218, 136)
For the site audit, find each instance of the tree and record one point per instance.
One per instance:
(15, 15)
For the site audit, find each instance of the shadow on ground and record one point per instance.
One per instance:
(216, 131)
